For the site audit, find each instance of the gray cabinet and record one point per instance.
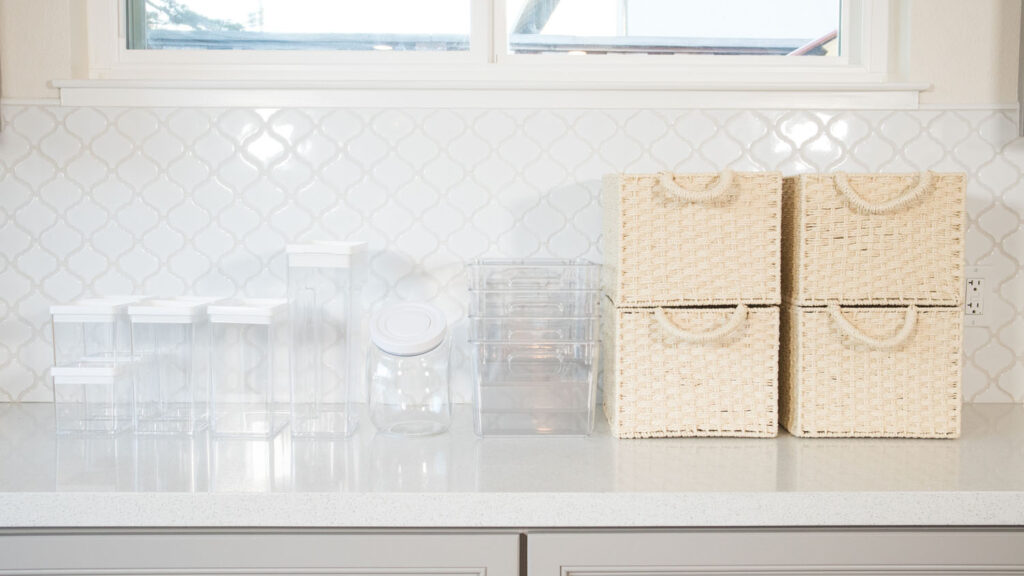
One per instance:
(299, 552)
(777, 552)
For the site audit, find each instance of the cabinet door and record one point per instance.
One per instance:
(245, 553)
(777, 552)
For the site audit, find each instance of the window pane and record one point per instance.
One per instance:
(775, 27)
(435, 25)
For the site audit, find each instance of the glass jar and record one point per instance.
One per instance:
(407, 369)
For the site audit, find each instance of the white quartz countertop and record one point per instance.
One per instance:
(459, 480)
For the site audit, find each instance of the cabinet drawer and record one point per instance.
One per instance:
(258, 552)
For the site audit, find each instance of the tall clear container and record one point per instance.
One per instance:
(407, 368)
(249, 368)
(324, 280)
(170, 372)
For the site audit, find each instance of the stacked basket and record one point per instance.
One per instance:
(533, 330)
(873, 274)
(691, 314)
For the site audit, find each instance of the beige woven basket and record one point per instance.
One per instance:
(672, 372)
(692, 239)
(873, 239)
(871, 372)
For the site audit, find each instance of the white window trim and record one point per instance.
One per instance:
(486, 76)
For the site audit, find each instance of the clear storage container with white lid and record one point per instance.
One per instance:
(324, 279)
(249, 368)
(407, 369)
(92, 332)
(92, 399)
(170, 368)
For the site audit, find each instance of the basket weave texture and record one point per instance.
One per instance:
(663, 250)
(873, 239)
(659, 386)
(835, 385)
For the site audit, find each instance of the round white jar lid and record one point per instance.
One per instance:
(408, 329)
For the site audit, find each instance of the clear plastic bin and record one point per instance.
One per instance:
(534, 303)
(92, 400)
(326, 344)
(92, 332)
(249, 368)
(527, 388)
(170, 369)
(534, 274)
(533, 329)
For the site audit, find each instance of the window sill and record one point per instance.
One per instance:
(487, 93)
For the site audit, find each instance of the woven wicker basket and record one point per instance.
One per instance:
(693, 239)
(873, 239)
(672, 372)
(871, 372)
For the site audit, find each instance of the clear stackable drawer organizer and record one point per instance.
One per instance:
(533, 333)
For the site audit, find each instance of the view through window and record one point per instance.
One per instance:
(578, 27)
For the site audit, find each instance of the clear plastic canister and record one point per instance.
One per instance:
(249, 368)
(170, 369)
(92, 332)
(324, 280)
(407, 369)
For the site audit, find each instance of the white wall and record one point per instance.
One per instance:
(966, 48)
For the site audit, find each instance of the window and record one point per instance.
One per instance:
(487, 53)
(577, 27)
(383, 25)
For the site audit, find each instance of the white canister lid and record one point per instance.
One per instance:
(408, 329)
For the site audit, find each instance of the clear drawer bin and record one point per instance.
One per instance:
(249, 368)
(170, 371)
(92, 400)
(527, 388)
(534, 274)
(326, 345)
(92, 332)
(534, 303)
(533, 329)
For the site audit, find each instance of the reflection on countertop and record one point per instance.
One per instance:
(989, 456)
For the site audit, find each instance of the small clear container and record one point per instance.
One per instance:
(534, 274)
(324, 318)
(534, 303)
(92, 332)
(170, 372)
(407, 370)
(533, 329)
(525, 388)
(249, 368)
(92, 399)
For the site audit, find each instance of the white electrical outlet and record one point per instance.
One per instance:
(977, 292)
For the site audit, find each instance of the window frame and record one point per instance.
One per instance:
(863, 76)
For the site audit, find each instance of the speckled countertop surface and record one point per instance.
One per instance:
(459, 480)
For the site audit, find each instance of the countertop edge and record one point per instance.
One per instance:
(509, 509)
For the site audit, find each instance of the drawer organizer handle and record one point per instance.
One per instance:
(668, 184)
(735, 321)
(842, 182)
(909, 322)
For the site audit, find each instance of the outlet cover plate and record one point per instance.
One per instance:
(985, 274)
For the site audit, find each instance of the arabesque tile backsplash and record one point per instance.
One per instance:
(195, 200)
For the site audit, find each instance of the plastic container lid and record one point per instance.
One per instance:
(327, 254)
(408, 329)
(92, 309)
(179, 310)
(247, 311)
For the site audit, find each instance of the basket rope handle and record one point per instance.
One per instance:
(668, 184)
(842, 182)
(737, 318)
(909, 322)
